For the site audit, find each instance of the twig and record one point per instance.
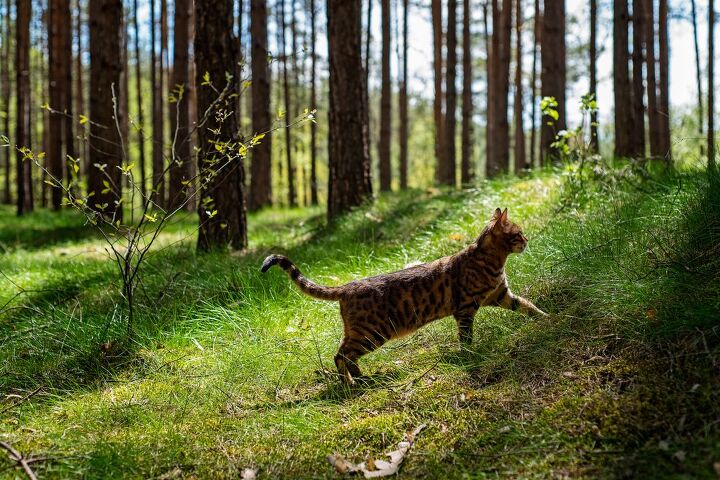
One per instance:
(17, 457)
(25, 398)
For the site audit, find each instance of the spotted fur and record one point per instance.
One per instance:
(380, 308)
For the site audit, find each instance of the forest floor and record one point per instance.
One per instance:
(227, 367)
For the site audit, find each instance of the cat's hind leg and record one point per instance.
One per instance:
(464, 322)
(351, 349)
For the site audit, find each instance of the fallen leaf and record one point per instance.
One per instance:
(679, 455)
(569, 375)
(376, 468)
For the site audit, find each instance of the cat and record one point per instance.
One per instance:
(377, 309)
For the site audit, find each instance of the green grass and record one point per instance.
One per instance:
(226, 367)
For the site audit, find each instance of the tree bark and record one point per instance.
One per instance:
(593, 74)
(448, 164)
(385, 102)
(466, 151)
(624, 126)
(637, 120)
(5, 94)
(80, 91)
(436, 9)
(698, 74)
(106, 24)
(521, 163)
(664, 63)
(23, 172)
(368, 55)
(292, 200)
(498, 161)
(158, 123)
(313, 106)
(350, 184)
(139, 98)
(179, 115)
(711, 86)
(651, 80)
(222, 193)
(533, 87)
(403, 102)
(553, 71)
(260, 168)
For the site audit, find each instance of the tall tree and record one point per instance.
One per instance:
(222, 215)
(466, 151)
(624, 144)
(5, 94)
(23, 172)
(651, 79)
(520, 156)
(664, 67)
(292, 200)
(446, 174)
(403, 126)
(593, 74)
(313, 106)
(711, 86)
(158, 123)
(349, 162)
(106, 23)
(637, 120)
(533, 81)
(179, 115)
(436, 10)
(260, 185)
(553, 80)
(498, 139)
(60, 139)
(139, 98)
(79, 85)
(698, 73)
(368, 55)
(385, 102)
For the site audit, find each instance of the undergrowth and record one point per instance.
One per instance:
(228, 367)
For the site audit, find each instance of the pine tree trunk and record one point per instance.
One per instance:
(385, 102)
(139, 98)
(624, 144)
(350, 183)
(553, 71)
(180, 123)
(436, 9)
(490, 48)
(289, 114)
(80, 91)
(158, 124)
(260, 168)
(23, 172)
(403, 102)
(216, 54)
(499, 133)
(520, 156)
(466, 151)
(651, 80)
(5, 94)
(447, 166)
(711, 86)
(637, 121)
(593, 74)
(58, 46)
(106, 26)
(533, 86)
(698, 74)
(368, 55)
(664, 61)
(313, 106)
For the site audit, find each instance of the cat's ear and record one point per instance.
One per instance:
(497, 213)
(503, 216)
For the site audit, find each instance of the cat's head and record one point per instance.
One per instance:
(506, 235)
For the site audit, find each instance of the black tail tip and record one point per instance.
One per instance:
(269, 262)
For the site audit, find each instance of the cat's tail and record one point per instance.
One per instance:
(307, 286)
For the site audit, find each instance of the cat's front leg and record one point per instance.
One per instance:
(509, 300)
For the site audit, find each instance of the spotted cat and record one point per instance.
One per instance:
(377, 309)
